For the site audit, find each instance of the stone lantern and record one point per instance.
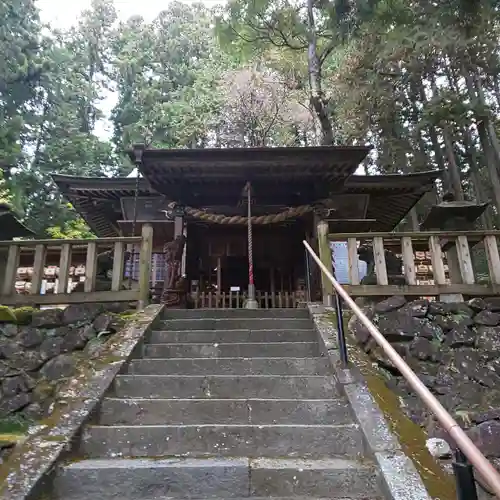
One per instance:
(453, 215)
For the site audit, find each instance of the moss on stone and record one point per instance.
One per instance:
(126, 317)
(411, 436)
(56, 438)
(7, 315)
(43, 390)
(104, 361)
(10, 439)
(24, 314)
(14, 424)
(120, 320)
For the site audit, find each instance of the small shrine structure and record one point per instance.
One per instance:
(199, 199)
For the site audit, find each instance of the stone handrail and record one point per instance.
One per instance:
(464, 443)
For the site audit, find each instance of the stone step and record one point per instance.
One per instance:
(236, 324)
(225, 387)
(226, 336)
(230, 366)
(235, 313)
(331, 478)
(223, 411)
(233, 350)
(195, 441)
(134, 479)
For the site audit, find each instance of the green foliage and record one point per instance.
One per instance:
(167, 74)
(55, 93)
(20, 68)
(73, 229)
(392, 73)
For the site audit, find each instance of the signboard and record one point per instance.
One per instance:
(340, 263)
(148, 208)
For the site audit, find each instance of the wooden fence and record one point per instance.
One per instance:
(36, 251)
(456, 262)
(236, 300)
(460, 263)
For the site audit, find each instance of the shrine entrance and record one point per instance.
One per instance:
(217, 263)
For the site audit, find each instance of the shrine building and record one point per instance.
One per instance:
(202, 194)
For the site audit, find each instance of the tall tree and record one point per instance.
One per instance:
(59, 136)
(312, 30)
(260, 109)
(166, 73)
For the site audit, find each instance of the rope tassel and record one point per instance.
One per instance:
(250, 242)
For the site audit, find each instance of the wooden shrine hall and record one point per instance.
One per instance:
(200, 194)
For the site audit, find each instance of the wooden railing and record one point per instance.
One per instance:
(36, 251)
(236, 300)
(453, 263)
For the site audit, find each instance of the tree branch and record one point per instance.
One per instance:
(326, 52)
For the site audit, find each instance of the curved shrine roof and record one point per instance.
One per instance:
(391, 197)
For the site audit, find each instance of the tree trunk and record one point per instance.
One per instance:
(489, 154)
(496, 86)
(489, 124)
(470, 150)
(421, 158)
(438, 152)
(317, 97)
(453, 169)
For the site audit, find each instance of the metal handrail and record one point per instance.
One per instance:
(464, 443)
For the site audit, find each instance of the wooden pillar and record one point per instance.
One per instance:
(145, 265)
(178, 231)
(273, 283)
(325, 254)
(219, 275)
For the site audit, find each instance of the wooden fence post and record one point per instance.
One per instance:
(491, 247)
(38, 269)
(353, 261)
(325, 254)
(118, 264)
(408, 260)
(380, 264)
(90, 267)
(64, 265)
(145, 265)
(465, 260)
(9, 283)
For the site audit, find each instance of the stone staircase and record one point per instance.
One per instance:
(224, 404)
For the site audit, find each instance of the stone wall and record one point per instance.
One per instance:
(40, 351)
(455, 350)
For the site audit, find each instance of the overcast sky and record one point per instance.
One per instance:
(63, 13)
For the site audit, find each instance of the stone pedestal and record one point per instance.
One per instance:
(251, 303)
